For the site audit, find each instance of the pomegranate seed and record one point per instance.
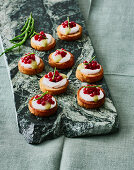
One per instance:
(95, 93)
(39, 101)
(95, 62)
(94, 65)
(92, 95)
(56, 73)
(49, 96)
(22, 60)
(36, 96)
(33, 56)
(98, 66)
(39, 39)
(57, 52)
(86, 66)
(29, 61)
(85, 91)
(73, 23)
(43, 98)
(63, 53)
(49, 100)
(43, 103)
(46, 76)
(42, 32)
(36, 37)
(98, 93)
(28, 57)
(85, 62)
(50, 79)
(90, 65)
(50, 74)
(40, 36)
(52, 102)
(54, 80)
(57, 80)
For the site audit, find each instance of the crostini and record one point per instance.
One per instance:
(54, 82)
(91, 96)
(69, 31)
(43, 41)
(61, 59)
(30, 64)
(42, 105)
(90, 71)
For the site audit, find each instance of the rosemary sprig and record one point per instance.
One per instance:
(28, 27)
(41, 95)
(92, 86)
(35, 33)
(54, 73)
(90, 61)
(68, 22)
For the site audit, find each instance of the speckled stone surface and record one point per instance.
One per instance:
(70, 119)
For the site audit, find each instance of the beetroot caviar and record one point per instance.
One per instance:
(45, 99)
(40, 37)
(92, 65)
(28, 58)
(56, 78)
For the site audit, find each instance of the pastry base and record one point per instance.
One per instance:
(31, 71)
(90, 104)
(65, 65)
(41, 113)
(69, 37)
(90, 78)
(52, 91)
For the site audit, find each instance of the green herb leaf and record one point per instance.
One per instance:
(41, 95)
(29, 54)
(90, 61)
(54, 73)
(68, 22)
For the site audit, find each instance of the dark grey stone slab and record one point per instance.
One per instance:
(70, 120)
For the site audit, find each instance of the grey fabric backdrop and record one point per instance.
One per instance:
(111, 28)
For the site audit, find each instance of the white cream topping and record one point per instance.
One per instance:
(64, 59)
(87, 97)
(55, 85)
(40, 106)
(72, 30)
(39, 43)
(37, 59)
(89, 71)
